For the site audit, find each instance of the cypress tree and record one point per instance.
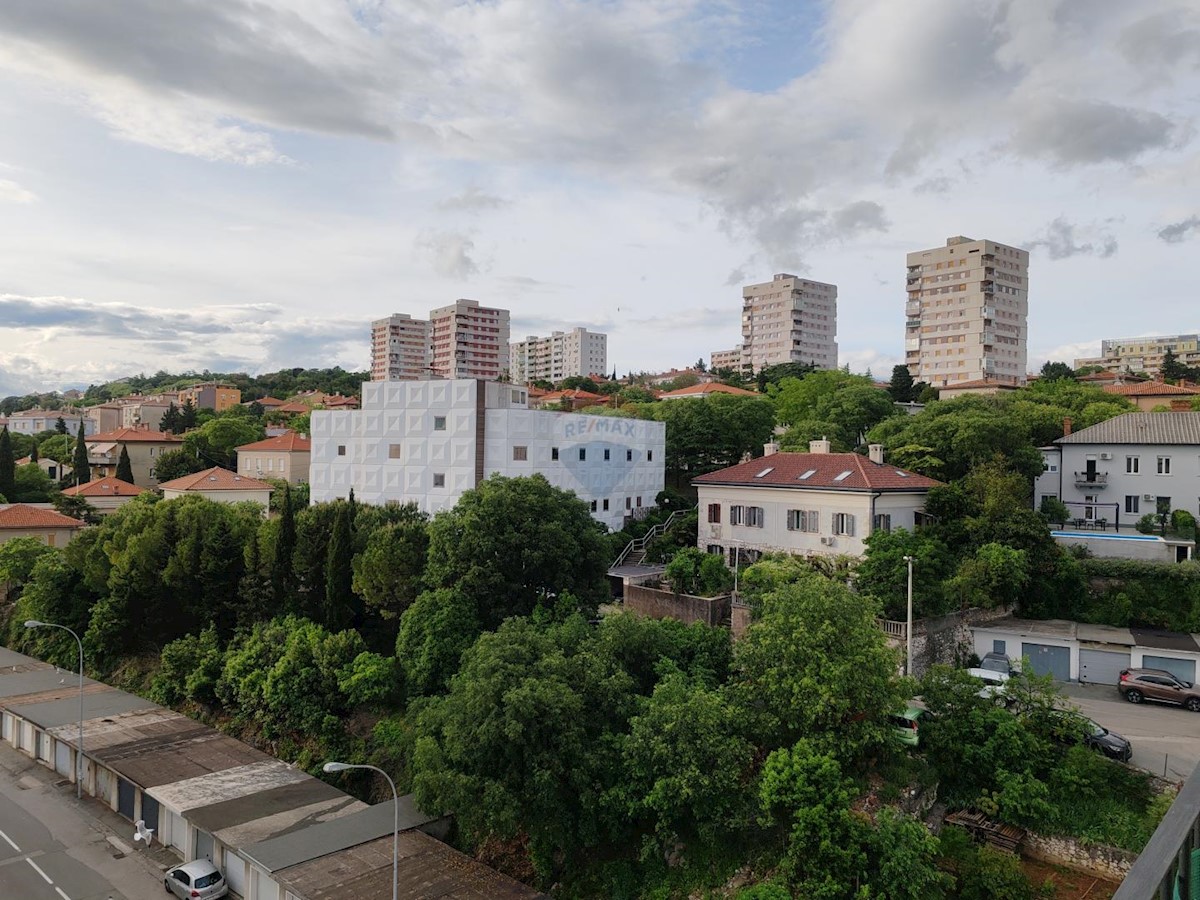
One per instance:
(61, 426)
(170, 419)
(283, 579)
(187, 418)
(339, 573)
(8, 466)
(79, 462)
(124, 467)
(33, 453)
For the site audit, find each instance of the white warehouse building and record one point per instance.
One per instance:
(429, 441)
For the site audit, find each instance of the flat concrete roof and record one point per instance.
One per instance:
(168, 762)
(1164, 640)
(97, 705)
(1105, 634)
(1047, 628)
(230, 783)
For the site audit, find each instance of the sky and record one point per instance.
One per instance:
(243, 185)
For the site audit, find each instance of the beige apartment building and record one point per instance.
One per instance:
(211, 395)
(400, 349)
(285, 456)
(726, 359)
(577, 352)
(789, 319)
(144, 446)
(1144, 354)
(469, 341)
(966, 317)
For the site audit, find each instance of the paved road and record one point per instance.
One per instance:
(1164, 738)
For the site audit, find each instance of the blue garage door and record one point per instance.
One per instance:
(1046, 659)
(1180, 668)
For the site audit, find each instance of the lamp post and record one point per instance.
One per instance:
(342, 767)
(908, 628)
(737, 559)
(34, 623)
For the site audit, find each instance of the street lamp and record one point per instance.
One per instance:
(34, 623)
(908, 628)
(342, 767)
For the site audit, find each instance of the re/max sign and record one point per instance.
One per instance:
(581, 427)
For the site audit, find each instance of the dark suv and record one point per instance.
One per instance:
(1160, 685)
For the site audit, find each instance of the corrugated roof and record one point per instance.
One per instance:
(819, 471)
(105, 487)
(215, 479)
(289, 442)
(1141, 428)
(18, 515)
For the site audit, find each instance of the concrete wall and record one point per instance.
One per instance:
(661, 604)
(1125, 546)
(1091, 859)
(51, 537)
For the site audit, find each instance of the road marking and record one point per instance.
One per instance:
(62, 893)
(10, 841)
(38, 869)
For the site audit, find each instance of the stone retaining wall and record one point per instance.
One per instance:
(659, 604)
(1092, 859)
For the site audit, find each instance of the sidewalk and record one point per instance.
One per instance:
(93, 834)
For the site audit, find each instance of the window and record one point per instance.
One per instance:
(439, 479)
(843, 523)
(629, 503)
(394, 451)
(883, 522)
(639, 502)
(439, 423)
(582, 454)
(1164, 465)
(606, 505)
(341, 449)
(715, 549)
(628, 456)
(554, 453)
(606, 456)
(1131, 503)
(803, 520)
(999, 646)
(649, 456)
(1133, 465)
(593, 506)
(736, 514)
(520, 454)
(714, 512)
(755, 517)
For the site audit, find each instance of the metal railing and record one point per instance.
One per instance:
(1169, 865)
(639, 544)
(1097, 478)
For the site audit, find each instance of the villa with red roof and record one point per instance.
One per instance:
(707, 390)
(219, 485)
(1150, 395)
(51, 528)
(815, 503)
(105, 495)
(573, 399)
(285, 457)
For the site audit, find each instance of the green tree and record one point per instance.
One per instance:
(8, 465)
(389, 572)
(283, 582)
(124, 467)
(33, 453)
(342, 607)
(883, 573)
(33, 485)
(549, 546)
(1171, 368)
(60, 425)
(434, 632)
(996, 576)
(216, 441)
(901, 387)
(79, 463)
(1053, 371)
(172, 422)
(188, 416)
(76, 508)
(905, 859)
(175, 464)
(18, 556)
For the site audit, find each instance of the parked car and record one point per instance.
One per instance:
(907, 725)
(1073, 728)
(993, 683)
(996, 662)
(196, 880)
(1159, 685)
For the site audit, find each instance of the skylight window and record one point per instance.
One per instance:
(809, 474)
(766, 471)
(901, 474)
(843, 476)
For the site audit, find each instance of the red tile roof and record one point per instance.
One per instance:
(18, 515)
(215, 479)
(785, 470)
(265, 402)
(702, 390)
(292, 408)
(288, 442)
(978, 383)
(1150, 389)
(105, 487)
(573, 394)
(125, 435)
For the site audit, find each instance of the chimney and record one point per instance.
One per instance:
(875, 453)
(821, 446)
(1066, 425)
(770, 448)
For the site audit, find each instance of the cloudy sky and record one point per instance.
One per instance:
(245, 184)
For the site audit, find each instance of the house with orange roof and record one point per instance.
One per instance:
(285, 456)
(1149, 395)
(267, 403)
(52, 467)
(983, 387)
(105, 495)
(219, 485)
(816, 503)
(51, 528)
(292, 408)
(707, 390)
(144, 445)
(571, 400)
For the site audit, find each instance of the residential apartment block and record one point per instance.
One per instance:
(966, 314)
(210, 395)
(1144, 354)
(429, 441)
(577, 352)
(789, 319)
(726, 359)
(400, 349)
(285, 456)
(35, 421)
(469, 341)
(144, 446)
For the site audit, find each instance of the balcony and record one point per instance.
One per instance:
(1162, 869)
(1091, 479)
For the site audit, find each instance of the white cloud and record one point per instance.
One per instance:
(450, 253)
(11, 192)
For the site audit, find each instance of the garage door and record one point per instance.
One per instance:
(62, 758)
(149, 811)
(235, 872)
(1101, 666)
(1180, 668)
(204, 845)
(1046, 659)
(125, 793)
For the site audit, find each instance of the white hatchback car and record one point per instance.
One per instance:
(196, 880)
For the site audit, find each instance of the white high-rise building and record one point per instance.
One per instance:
(789, 319)
(561, 355)
(400, 348)
(429, 441)
(469, 341)
(967, 311)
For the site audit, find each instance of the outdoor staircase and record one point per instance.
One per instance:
(634, 553)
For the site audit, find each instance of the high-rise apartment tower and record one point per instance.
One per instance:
(789, 319)
(469, 341)
(399, 348)
(559, 356)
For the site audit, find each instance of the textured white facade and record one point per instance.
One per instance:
(561, 355)
(789, 319)
(429, 441)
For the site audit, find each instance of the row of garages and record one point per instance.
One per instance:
(274, 831)
(1094, 654)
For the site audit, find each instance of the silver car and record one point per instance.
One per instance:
(196, 880)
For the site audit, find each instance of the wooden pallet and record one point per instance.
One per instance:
(1003, 837)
